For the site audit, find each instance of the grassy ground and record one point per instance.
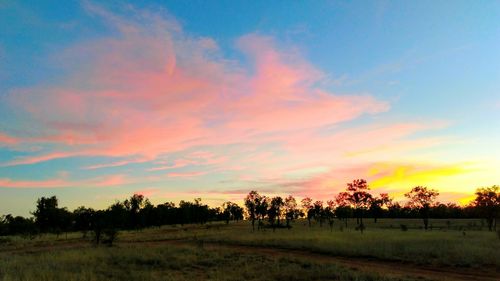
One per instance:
(167, 262)
(442, 246)
(155, 254)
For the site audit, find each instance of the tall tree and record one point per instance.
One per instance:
(360, 199)
(421, 198)
(330, 212)
(343, 210)
(307, 207)
(46, 214)
(487, 202)
(231, 211)
(377, 204)
(274, 211)
(82, 219)
(261, 209)
(319, 214)
(291, 211)
(252, 200)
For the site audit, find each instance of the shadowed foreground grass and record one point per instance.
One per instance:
(177, 253)
(445, 246)
(164, 262)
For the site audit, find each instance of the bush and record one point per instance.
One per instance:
(110, 235)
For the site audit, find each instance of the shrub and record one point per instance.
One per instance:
(110, 236)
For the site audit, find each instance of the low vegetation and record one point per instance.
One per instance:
(281, 238)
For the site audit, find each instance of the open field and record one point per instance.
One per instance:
(451, 251)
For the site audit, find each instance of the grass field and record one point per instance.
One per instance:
(453, 250)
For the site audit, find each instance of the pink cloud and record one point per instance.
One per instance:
(117, 163)
(63, 182)
(7, 140)
(110, 181)
(185, 174)
(147, 192)
(51, 183)
(38, 158)
(155, 90)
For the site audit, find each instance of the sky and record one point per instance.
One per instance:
(184, 99)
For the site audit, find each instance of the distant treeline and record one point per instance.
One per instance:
(356, 202)
(135, 212)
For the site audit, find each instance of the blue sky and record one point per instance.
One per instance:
(422, 76)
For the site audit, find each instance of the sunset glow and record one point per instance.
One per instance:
(100, 101)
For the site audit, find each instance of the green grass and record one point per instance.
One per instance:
(445, 246)
(166, 263)
(69, 257)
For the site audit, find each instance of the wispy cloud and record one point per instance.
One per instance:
(7, 140)
(156, 89)
(150, 91)
(185, 174)
(117, 163)
(64, 182)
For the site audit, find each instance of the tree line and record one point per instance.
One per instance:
(136, 212)
(356, 202)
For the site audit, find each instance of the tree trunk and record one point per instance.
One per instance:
(361, 226)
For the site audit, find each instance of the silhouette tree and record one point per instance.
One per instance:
(329, 212)
(377, 203)
(274, 211)
(308, 209)
(343, 210)
(252, 200)
(236, 212)
(261, 209)
(487, 202)
(18, 225)
(64, 221)
(133, 206)
(147, 214)
(360, 199)
(318, 210)
(421, 198)
(291, 211)
(46, 214)
(167, 214)
(82, 219)
(231, 211)
(119, 215)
